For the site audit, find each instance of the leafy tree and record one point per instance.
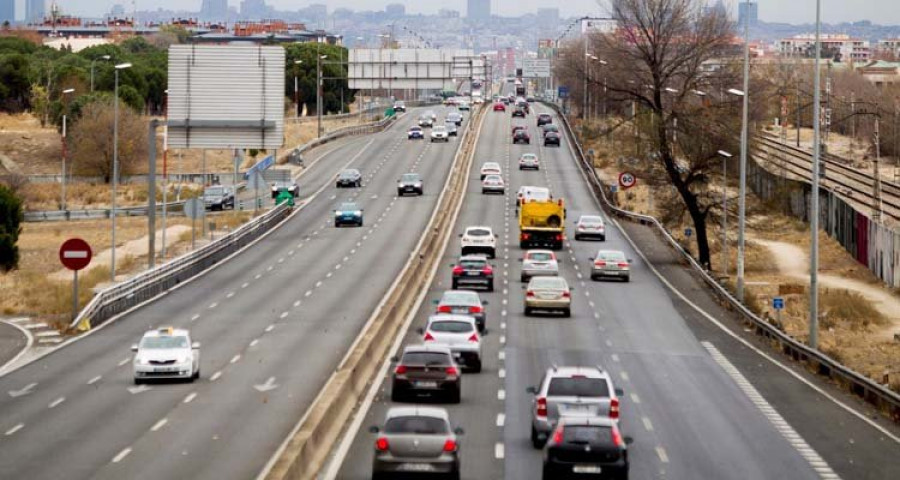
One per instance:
(14, 85)
(91, 138)
(334, 75)
(40, 104)
(11, 217)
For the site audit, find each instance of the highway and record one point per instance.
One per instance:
(692, 414)
(274, 322)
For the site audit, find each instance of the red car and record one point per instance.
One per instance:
(499, 107)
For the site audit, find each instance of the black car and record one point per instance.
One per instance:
(410, 183)
(582, 446)
(551, 138)
(473, 270)
(519, 112)
(522, 136)
(218, 197)
(349, 178)
(426, 369)
(544, 119)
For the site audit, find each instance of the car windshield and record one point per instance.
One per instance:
(417, 425)
(349, 173)
(440, 129)
(611, 256)
(410, 177)
(521, 133)
(478, 232)
(549, 282)
(460, 298)
(425, 358)
(415, 129)
(578, 387)
(537, 194)
(164, 342)
(451, 326)
(550, 128)
(214, 191)
(587, 434)
(540, 256)
(592, 219)
(491, 166)
(348, 207)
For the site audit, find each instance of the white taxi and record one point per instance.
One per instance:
(166, 353)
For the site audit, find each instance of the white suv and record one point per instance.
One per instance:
(439, 133)
(166, 353)
(479, 240)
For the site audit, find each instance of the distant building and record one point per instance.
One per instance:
(7, 11)
(214, 10)
(890, 47)
(839, 47)
(447, 13)
(548, 20)
(395, 10)
(478, 10)
(255, 9)
(881, 73)
(35, 10)
(748, 12)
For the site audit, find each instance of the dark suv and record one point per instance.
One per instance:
(519, 112)
(473, 270)
(544, 119)
(522, 136)
(551, 138)
(410, 183)
(586, 446)
(426, 369)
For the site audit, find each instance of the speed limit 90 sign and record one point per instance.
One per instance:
(627, 180)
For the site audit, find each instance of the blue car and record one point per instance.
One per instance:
(348, 213)
(415, 133)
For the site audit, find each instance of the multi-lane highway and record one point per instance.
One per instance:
(273, 322)
(690, 412)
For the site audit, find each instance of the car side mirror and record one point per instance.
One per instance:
(629, 440)
(496, 236)
(521, 260)
(459, 431)
(532, 390)
(620, 392)
(420, 330)
(591, 258)
(452, 265)
(460, 235)
(374, 429)
(195, 346)
(134, 348)
(630, 261)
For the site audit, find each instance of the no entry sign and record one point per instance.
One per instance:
(75, 254)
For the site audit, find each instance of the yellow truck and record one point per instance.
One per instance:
(542, 223)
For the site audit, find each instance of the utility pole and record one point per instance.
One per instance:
(814, 203)
(799, 112)
(879, 204)
(742, 195)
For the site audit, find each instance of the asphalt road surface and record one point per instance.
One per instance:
(691, 414)
(282, 314)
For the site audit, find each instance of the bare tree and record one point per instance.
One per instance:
(91, 139)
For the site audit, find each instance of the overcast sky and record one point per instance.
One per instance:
(791, 11)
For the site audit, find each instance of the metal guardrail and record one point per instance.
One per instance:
(174, 208)
(881, 397)
(147, 285)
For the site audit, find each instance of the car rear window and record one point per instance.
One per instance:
(479, 232)
(416, 424)
(587, 434)
(425, 358)
(540, 256)
(460, 298)
(548, 282)
(611, 256)
(476, 264)
(451, 326)
(578, 387)
(591, 219)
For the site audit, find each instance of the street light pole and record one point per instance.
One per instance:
(742, 194)
(584, 89)
(115, 175)
(725, 156)
(296, 91)
(319, 59)
(105, 57)
(65, 150)
(814, 203)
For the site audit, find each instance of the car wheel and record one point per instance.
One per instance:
(490, 287)
(197, 374)
(577, 237)
(360, 223)
(528, 311)
(567, 313)
(138, 381)
(493, 254)
(454, 286)
(476, 366)
(456, 395)
(337, 225)
(399, 193)
(359, 184)
(603, 238)
(627, 279)
(483, 191)
(536, 440)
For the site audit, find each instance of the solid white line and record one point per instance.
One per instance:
(56, 402)
(124, 453)
(235, 358)
(215, 376)
(190, 398)
(14, 429)
(94, 380)
(156, 426)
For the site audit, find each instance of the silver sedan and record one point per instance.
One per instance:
(611, 264)
(539, 263)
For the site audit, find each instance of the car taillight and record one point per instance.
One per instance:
(452, 371)
(444, 309)
(623, 264)
(428, 337)
(558, 435)
(614, 408)
(474, 338)
(566, 294)
(558, 237)
(617, 437)
(542, 407)
(400, 370)
(457, 270)
(529, 293)
(487, 271)
(474, 309)
(599, 263)
(381, 444)
(450, 445)
(526, 236)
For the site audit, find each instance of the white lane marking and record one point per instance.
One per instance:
(214, 305)
(297, 303)
(609, 343)
(318, 284)
(498, 450)
(215, 376)
(503, 325)
(124, 361)
(308, 293)
(501, 419)
(503, 313)
(195, 316)
(254, 342)
(501, 355)
(230, 294)
(138, 389)
(591, 303)
(281, 260)
(354, 250)
(780, 424)
(94, 380)
(501, 373)
(235, 358)
(647, 424)
(291, 252)
(663, 457)
(328, 275)
(190, 398)
(15, 429)
(156, 426)
(269, 385)
(283, 314)
(337, 267)
(635, 398)
(501, 394)
(257, 277)
(624, 376)
(56, 402)
(615, 357)
(270, 328)
(502, 339)
(245, 285)
(597, 316)
(269, 268)
(121, 455)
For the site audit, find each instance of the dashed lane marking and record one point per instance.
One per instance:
(270, 328)
(498, 450)
(156, 426)
(121, 455)
(663, 457)
(245, 285)
(624, 376)
(501, 419)
(501, 394)
(56, 402)
(195, 316)
(501, 373)
(297, 303)
(94, 380)
(254, 342)
(15, 429)
(635, 398)
(647, 424)
(230, 294)
(283, 315)
(215, 376)
(615, 357)
(235, 358)
(124, 361)
(190, 398)
(213, 305)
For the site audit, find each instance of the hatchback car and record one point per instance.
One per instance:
(575, 390)
(518, 112)
(454, 117)
(590, 226)
(539, 263)
(473, 270)
(585, 445)
(610, 264)
(166, 353)
(426, 369)
(493, 184)
(410, 183)
(416, 440)
(452, 129)
(459, 333)
(544, 119)
(549, 127)
(218, 197)
(348, 213)
(490, 168)
(349, 178)
(415, 133)
(439, 134)
(551, 138)
(464, 302)
(425, 121)
(548, 294)
(521, 136)
(463, 105)
(479, 240)
(529, 161)
(499, 107)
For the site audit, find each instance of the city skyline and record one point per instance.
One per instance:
(771, 11)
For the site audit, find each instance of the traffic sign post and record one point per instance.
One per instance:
(778, 305)
(627, 180)
(75, 254)
(194, 209)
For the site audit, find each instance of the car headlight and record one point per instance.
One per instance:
(337, 214)
(358, 213)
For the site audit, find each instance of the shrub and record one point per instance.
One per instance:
(11, 216)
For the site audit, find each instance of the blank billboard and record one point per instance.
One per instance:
(226, 96)
(412, 68)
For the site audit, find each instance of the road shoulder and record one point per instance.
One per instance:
(13, 341)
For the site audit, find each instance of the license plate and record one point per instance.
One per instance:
(166, 369)
(426, 384)
(579, 408)
(460, 310)
(472, 274)
(416, 467)
(587, 469)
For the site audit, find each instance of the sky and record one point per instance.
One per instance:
(886, 12)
